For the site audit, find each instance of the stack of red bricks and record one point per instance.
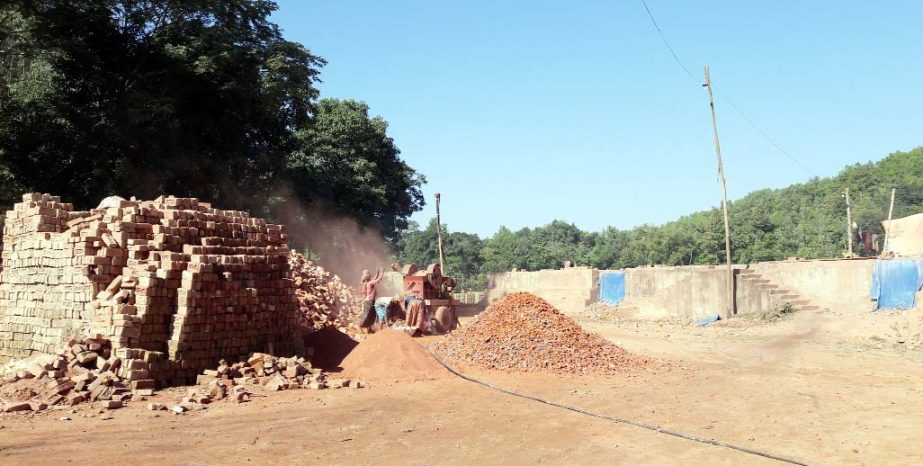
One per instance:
(172, 276)
(49, 275)
(88, 370)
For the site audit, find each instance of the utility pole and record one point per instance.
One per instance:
(439, 237)
(888, 230)
(849, 222)
(724, 198)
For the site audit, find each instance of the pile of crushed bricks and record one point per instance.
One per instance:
(323, 299)
(524, 333)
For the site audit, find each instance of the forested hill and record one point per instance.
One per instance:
(805, 220)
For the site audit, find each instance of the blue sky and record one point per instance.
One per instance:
(521, 112)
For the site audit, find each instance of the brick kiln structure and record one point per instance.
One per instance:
(188, 283)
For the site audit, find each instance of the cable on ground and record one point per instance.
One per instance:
(614, 419)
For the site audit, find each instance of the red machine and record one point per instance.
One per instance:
(436, 291)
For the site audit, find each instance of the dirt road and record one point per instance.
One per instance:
(790, 388)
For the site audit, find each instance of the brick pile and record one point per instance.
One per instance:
(323, 299)
(523, 333)
(266, 372)
(46, 278)
(88, 370)
(172, 276)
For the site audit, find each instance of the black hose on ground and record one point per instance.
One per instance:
(614, 419)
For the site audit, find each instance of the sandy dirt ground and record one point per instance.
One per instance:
(820, 387)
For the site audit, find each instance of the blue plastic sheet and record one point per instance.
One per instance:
(895, 283)
(709, 320)
(612, 286)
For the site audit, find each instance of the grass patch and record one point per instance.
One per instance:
(778, 311)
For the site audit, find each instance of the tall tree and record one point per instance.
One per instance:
(196, 98)
(345, 164)
(462, 253)
(190, 97)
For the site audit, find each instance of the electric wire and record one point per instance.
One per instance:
(614, 419)
(666, 42)
(726, 98)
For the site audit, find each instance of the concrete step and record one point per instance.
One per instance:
(786, 297)
(799, 302)
(772, 286)
(746, 271)
(758, 281)
(808, 307)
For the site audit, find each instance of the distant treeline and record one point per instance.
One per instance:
(805, 220)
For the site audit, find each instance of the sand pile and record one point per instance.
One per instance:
(389, 356)
(524, 333)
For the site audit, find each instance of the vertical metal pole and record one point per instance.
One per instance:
(890, 213)
(848, 222)
(439, 237)
(724, 198)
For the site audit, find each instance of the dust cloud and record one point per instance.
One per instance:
(338, 243)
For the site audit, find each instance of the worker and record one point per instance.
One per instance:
(384, 307)
(416, 313)
(369, 287)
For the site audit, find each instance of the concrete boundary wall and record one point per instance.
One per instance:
(825, 282)
(693, 292)
(571, 290)
(689, 292)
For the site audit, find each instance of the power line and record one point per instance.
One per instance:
(721, 94)
(666, 42)
(761, 132)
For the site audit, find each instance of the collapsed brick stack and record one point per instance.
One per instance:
(324, 300)
(172, 276)
(523, 333)
(259, 370)
(83, 371)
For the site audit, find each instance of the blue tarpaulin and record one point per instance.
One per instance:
(895, 283)
(612, 286)
(709, 320)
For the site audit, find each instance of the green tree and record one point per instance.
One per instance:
(148, 97)
(345, 164)
(462, 253)
(192, 98)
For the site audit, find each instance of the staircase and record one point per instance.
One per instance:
(772, 293)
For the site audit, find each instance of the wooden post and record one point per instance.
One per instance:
(724, 198)
(849, 223)
(439, 237)
(888, 230)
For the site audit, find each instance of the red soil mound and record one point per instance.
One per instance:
(389, 356)
(523, 333)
